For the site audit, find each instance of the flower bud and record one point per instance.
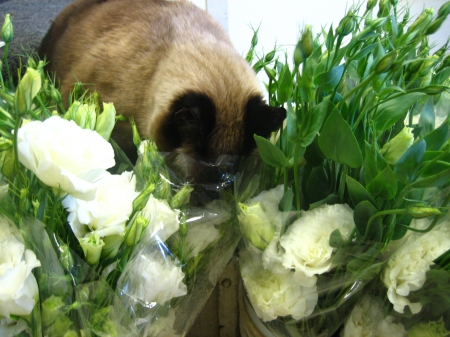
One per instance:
(106, 121)
(7, 162)
(256, 226)
(371, 4)
(7, 29)
(397, 146)
(386, 62)
(55, 94)
(5, 144)
(183, 229)
(307, 42)
(383, 8)
(346, 25)
(136, 136)
(420, 210)
(50, 310)
(434, 26)
(181, 197)
(444, 10)
(65, 257)
(112, 246)
(141, 200)
(86, 116)
(271, 73)
(269, 57)
(377, 24)
(136, 229)
(394, 2)
(422, 20)
(92, 248)
(428, 64)
(27, 89)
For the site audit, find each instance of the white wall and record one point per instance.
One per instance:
(280, 21)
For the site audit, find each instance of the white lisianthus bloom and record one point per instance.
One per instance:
(306, 241)
(163, 220)
(200, 236)
(407, 267)
(269, 201)
(273, 294)
(367, 320)
(18, 286)
(12, 328)
(108, 212)
(64, 156)
(155, 279)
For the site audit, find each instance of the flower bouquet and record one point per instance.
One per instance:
(90, 244)
(328, 204)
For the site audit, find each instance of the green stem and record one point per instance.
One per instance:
(296, 177)
(379, 214)
(363, 84)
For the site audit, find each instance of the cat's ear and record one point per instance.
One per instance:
(261, 119)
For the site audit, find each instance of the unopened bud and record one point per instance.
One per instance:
(269, 57)
(444, 10)
(393, 150)
(55, 94)
(7, 29)
(371, 4)
(65, 257)
(5, 144)
(92, 248)
(383, 8)
(385, 63)
(346, 25)
(136, 136)
(112, 246)
(420, 210)
(136, 229)
(181, 197)
(141, 200)
(422, 20)
(27, 89)
(106, 121)
(271, 73)
(307, 42)
(428, 64)
(435, 25)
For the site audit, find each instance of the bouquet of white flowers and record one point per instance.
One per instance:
(354, 188)
(90, 244)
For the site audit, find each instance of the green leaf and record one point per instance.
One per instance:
(336, 240)
(285, 85)
(308, 130)
(389, 112)
(317, 185)
(407, 165)
(330, 40)
(362, 213)
(364, 52)
(270, 153)
(384, 185)
(427, 118)
(330, 79)
(285, 204)
(374, 163)
(436, 180)
(338, 142)
(438, 137)
(357, 192)
(291, 124)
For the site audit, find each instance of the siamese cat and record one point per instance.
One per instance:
(170, 66)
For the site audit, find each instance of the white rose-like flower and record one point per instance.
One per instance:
(273, 294)
(155, 279)
(64, 156)
(407, 267)
(108, 212)
(163, 219)
(200, 236)
(367, 320)
(18, 286)
(269, 201)
(306, 241)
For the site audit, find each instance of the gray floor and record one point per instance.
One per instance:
(31, 19)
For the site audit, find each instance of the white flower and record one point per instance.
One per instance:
(200, 236)
(12, 328)
(18, 287)
(406, 269)
(155, 279)
(163, 219)
(306, 241)
(273, 294)
(108, 212)
(260, 219)
(367, 320)
(65, 156)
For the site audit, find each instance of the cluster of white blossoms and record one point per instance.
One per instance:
(407, 267)
(280, 273)
(18, 287)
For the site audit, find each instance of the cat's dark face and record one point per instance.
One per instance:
(196, 129)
